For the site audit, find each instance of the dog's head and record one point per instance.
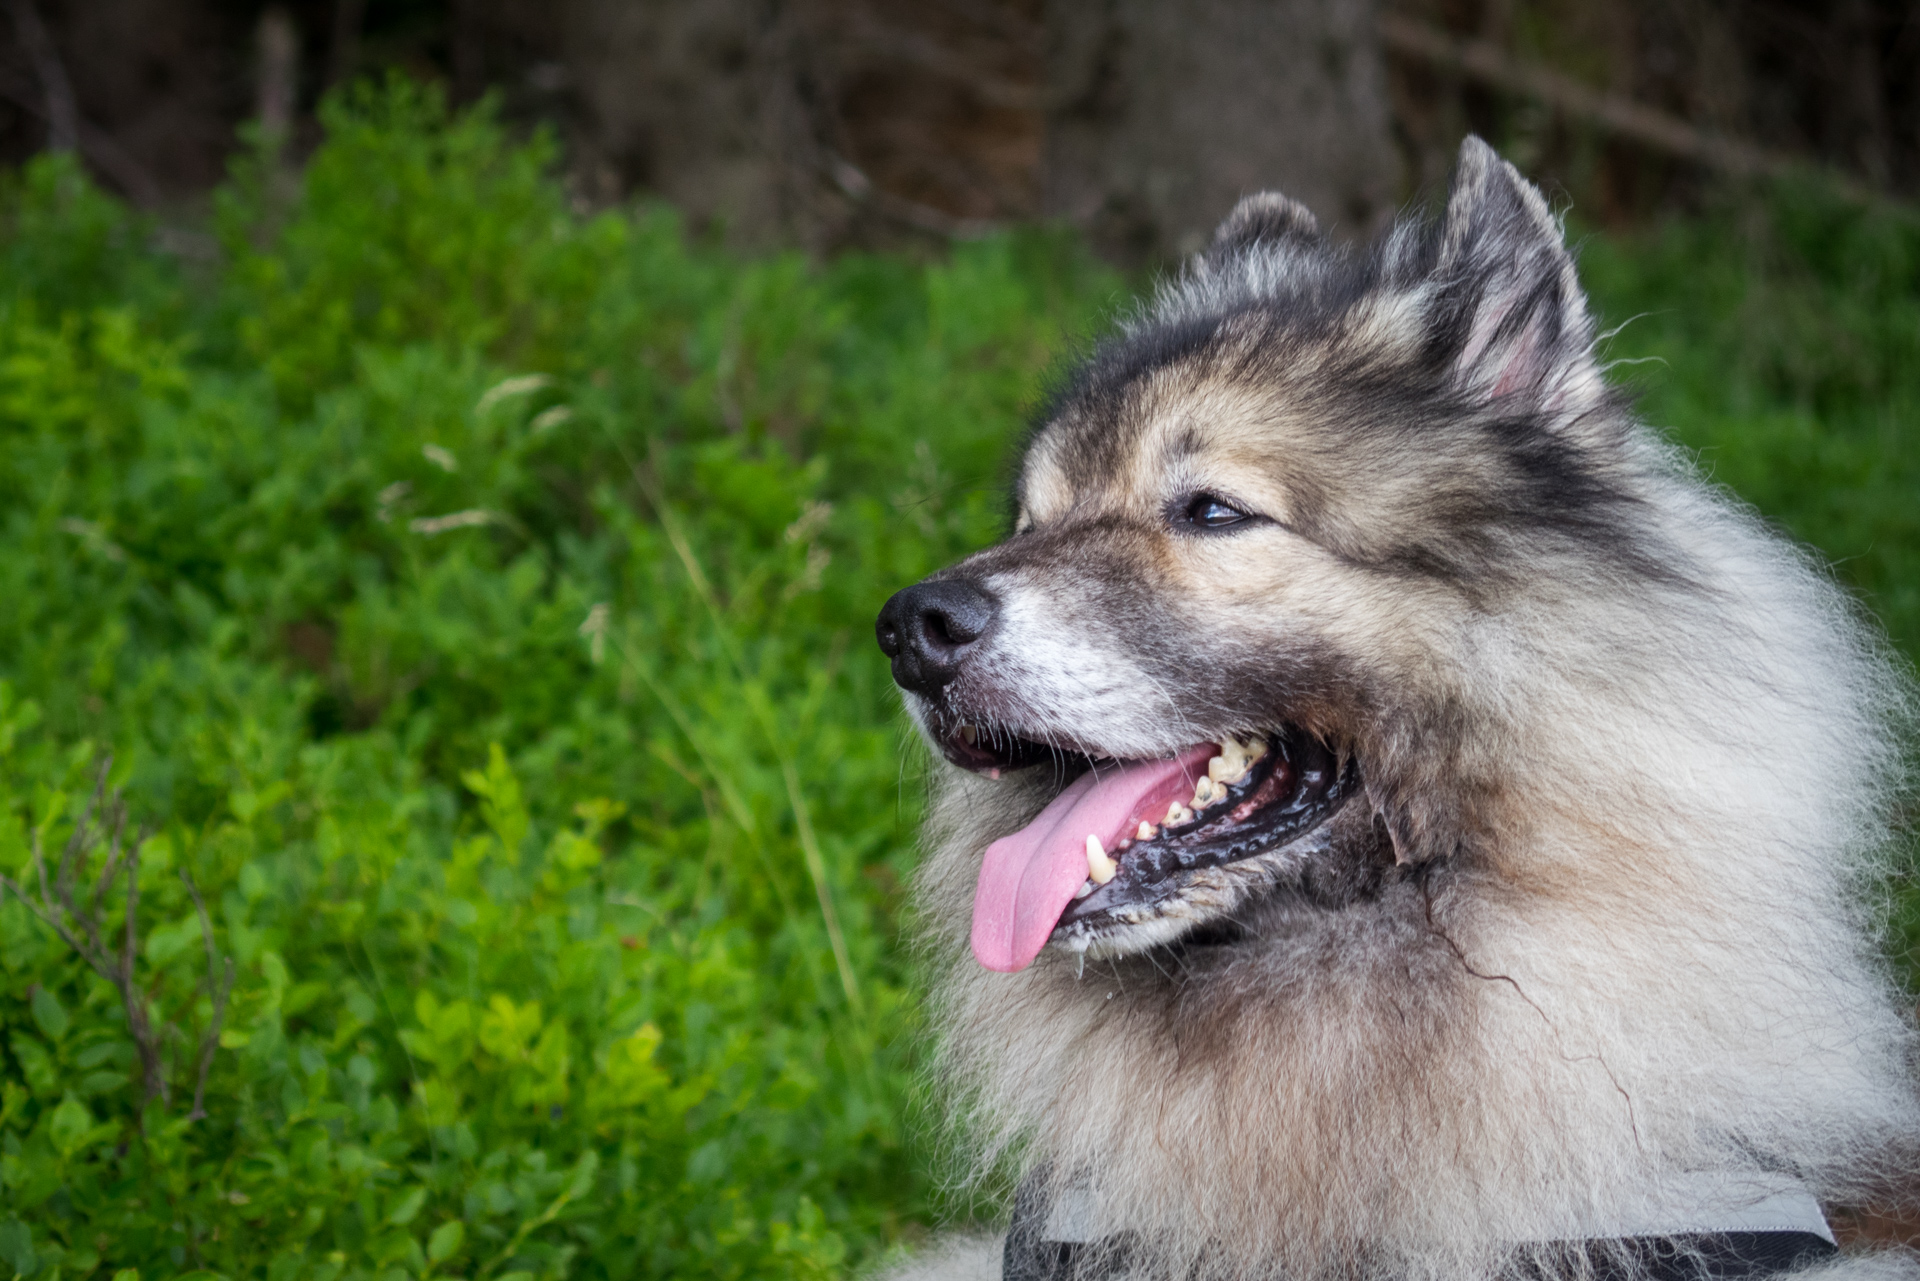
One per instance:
(1253, 535)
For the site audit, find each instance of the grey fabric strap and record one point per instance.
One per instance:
(1695, 1226)
(1705, 1201)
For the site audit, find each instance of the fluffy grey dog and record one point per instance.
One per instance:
(1400, 820)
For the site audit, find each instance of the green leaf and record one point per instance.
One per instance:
(104, 1052)
(36, 1064)
(127, 1274)
(166, 943)
(49, 1013)
(584, 1171)
(101, 1082)
(502, 804)
(16, 1246)
(71, 1127)
(407, 1206)
(446, 1239)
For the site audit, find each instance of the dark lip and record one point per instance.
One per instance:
(1294, 789)
(992, 748)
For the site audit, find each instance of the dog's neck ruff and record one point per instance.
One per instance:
(1698, 1226)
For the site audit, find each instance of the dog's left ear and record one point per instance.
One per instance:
(1509, 316)
(1266, 217)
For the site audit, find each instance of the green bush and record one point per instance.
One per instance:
(1780, 339)
(473, 598)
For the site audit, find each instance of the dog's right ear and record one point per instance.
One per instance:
(1266, 217)
(1509, 315)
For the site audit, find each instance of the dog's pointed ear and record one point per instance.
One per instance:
(1509, 316)
(1266, 217)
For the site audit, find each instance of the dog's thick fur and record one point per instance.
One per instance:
(1602, 912)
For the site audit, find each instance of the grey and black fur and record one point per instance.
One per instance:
(1593, 925)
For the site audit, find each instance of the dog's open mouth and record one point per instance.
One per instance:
(1126, 837)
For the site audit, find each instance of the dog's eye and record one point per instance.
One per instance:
(1205, 511)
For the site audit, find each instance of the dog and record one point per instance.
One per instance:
(1392, 816)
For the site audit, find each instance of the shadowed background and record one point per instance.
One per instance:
(834, 122)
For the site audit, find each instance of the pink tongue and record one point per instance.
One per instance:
(1028, 878)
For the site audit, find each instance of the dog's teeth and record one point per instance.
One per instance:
(1236, 757)
(1230, 768)
(1086, 888)
(1205, 792)
(1178, 814)
(1100, 868)
(968, 735)
(1146, 831)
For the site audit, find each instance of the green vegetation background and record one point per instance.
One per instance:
(475, 600)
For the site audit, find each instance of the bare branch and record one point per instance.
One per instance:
(52, 923)
(97, 145)
(860, 189)
(63, 116)
(112, 862)
(277, 42)
(218, 987)
(57, 909)
(46, 887)
(211, 1041)
(73, 863)
(1488, 63)
(74, 853)
(125, 978)
(139, 1022)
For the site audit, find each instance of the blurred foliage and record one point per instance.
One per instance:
(474, 598)
(1782, 341)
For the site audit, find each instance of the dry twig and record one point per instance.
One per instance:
(1488, 63)
(217, 990)
(85, 930)
(860, 189)
(63, 117)
(98, 147)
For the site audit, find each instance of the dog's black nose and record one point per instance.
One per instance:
(927, 628)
